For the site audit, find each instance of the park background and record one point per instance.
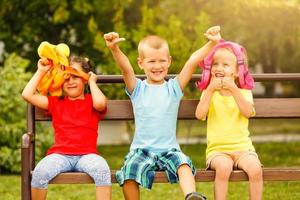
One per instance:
(269, 29)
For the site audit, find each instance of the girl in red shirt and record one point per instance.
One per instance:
(75, 118)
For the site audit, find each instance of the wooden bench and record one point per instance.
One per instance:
(122, 110)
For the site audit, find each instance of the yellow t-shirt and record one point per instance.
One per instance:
(227, 128)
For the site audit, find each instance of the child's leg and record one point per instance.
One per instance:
(45, 171)
(186, 179)
(98, 169)
(103, 192)
(38, 194)
(252, 166)
(223, 166)
(131, 190)
(138, 170)
(179, 167)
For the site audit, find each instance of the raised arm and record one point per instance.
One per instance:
(29, 93)
(213, 34)
(203, 105)
(99, 99)
(112, 39)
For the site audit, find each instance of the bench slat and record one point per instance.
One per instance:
(260, 77)
(269, 174)
(265, 108)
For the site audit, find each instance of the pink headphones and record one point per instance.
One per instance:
(245, 79)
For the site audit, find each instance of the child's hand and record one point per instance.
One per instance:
(44, 64)
(228, 83)
(213, 34)
(112, 39)
(92, 78)
(215, 84)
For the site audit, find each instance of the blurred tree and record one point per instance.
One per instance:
(13, 78)
(269, 29)
(12, 111)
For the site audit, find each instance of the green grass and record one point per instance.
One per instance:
(271, 154)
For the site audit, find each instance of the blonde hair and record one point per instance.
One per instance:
(152, 41)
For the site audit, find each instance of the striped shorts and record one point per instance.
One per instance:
(140, 165)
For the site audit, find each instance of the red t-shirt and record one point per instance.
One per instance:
(75, 124)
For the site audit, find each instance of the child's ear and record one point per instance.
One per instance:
(170, 60)
(140, 62)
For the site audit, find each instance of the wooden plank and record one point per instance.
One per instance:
(265, 108)
(277, 108)
(260, 77)
(269, 174)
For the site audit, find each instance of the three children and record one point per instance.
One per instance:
(226, 102)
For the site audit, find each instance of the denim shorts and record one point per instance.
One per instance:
(54, 164)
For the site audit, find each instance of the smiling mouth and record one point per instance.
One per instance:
(157, 72)
(219, 75)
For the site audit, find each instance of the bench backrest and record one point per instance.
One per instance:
(265, 108)
(122, 109)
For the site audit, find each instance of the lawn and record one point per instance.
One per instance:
(271, 154)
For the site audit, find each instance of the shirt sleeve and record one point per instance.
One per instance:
(176, 88)
(136, 89)
(102, 113)
(51, 100)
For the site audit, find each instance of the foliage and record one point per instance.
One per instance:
(12, 111)
(268, 29)
(13, 115)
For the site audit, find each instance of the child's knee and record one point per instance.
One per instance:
(99, 171)
(184, 168)
(255, 172)
(130, 183)
(40, 178)
(223, 170)
(223, 173)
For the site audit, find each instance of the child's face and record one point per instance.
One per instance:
(73, 86)
(155, 63)
(224, 64)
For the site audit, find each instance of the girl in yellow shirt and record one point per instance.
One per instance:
(227, 103)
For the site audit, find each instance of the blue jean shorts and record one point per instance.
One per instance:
(54, 164)
(140, 165)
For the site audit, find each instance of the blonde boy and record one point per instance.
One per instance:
(155, 104)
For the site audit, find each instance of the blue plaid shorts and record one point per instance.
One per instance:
(140, 165)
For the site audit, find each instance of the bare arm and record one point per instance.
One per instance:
(112, 39)
(245, 107)
(213, 34)
(203, 105)
(29, 93)
(99, 99)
